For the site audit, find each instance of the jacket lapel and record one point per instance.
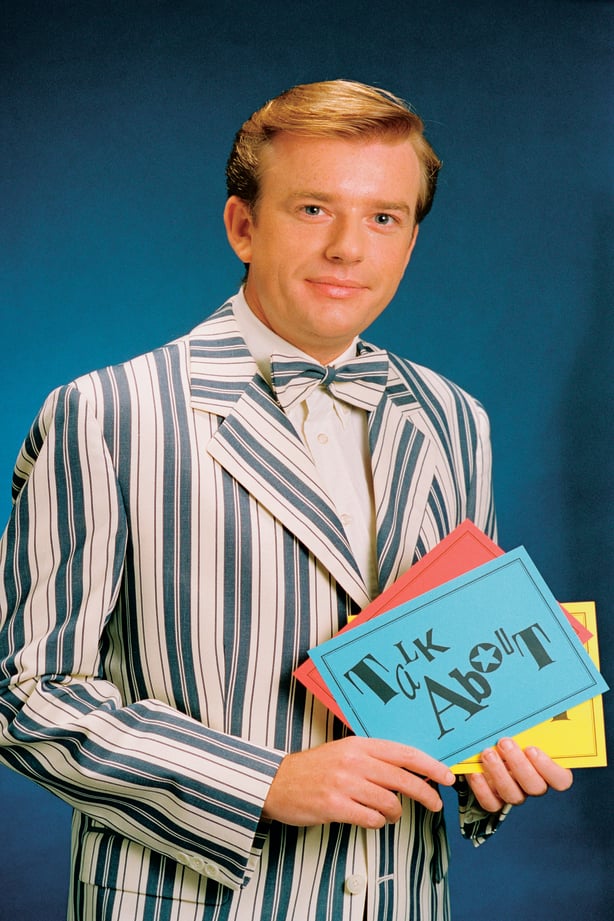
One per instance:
(259, 447)
(403, 459)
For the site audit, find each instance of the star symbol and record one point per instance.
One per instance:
(485, 657)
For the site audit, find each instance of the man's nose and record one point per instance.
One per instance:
(346, 240)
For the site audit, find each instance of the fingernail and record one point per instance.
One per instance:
(450, 778)
(489, 754)
(506, 744)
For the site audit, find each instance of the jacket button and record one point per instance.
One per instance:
(354, 884)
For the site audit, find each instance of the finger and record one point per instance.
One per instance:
(417, 788)
(358, 813)
(412, 772)
(557, 777)
(414, 760)
(486, 797)
(380, 800)
(389, 779)
(522, 769)
(501, 782)
(375, 797)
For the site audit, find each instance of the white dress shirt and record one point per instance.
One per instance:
(335, 434)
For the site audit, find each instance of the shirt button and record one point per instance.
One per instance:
(322, 438)
(354, 884)
(346, 519)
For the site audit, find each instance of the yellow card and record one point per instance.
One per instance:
(575, 738)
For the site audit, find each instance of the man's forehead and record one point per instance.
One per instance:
(291, 157)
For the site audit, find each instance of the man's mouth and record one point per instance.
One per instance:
(333, 286)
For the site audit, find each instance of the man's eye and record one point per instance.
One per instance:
(384, 219)
(312, 210)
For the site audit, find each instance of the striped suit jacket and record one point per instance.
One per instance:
(170, 558)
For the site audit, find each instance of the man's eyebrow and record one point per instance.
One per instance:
(310, 194)
(374, 204)
(392, 206)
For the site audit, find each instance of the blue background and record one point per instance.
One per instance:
(118, 117)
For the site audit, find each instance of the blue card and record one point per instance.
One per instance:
(486, 655)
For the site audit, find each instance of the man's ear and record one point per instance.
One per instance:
(238, 220)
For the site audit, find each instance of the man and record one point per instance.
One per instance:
(188, 524)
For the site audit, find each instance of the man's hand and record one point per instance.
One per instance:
(353, 780)
(511, 774)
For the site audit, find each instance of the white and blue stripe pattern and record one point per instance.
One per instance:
(170, 558)
(359, 382)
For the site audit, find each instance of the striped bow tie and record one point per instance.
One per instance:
(360, 382)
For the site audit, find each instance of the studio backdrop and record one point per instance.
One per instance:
(117, 118)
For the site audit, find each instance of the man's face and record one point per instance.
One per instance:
(330, 238)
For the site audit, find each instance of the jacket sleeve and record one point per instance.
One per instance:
(153, 774)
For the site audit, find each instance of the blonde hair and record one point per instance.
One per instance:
(333, 108)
